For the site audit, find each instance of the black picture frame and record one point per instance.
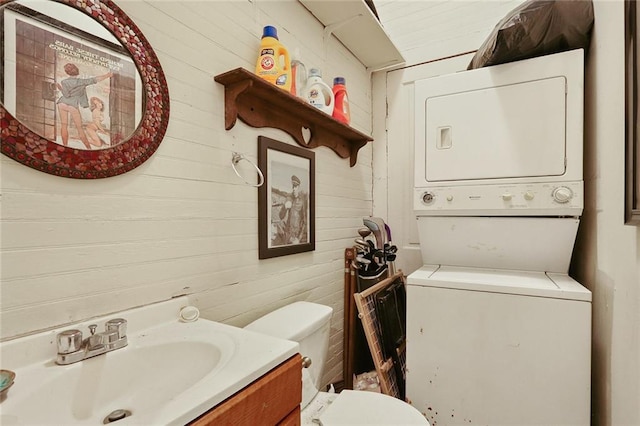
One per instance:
(632, 149)
(286, 200)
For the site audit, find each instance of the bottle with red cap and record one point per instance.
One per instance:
(341, 103)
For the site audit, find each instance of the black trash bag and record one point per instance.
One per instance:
(537, 28)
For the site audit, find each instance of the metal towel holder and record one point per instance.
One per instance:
(236, 158)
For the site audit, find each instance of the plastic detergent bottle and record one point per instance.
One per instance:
(341, 107)
(274, 64)
(298, 75)
(318, 93)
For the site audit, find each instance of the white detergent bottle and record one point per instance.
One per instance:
(318, 93)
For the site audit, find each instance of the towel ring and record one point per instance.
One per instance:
(236, 158)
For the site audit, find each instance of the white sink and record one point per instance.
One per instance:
(170, 373)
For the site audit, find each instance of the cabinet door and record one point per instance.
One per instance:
(268, 401)
(293, 419)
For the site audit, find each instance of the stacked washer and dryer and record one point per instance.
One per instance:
(497, 331)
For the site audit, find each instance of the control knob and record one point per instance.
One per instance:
(562, 194)
(428, 197)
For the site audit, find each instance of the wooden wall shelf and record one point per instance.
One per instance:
(259, 103)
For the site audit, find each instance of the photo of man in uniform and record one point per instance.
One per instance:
(290, 224)
(293, 215)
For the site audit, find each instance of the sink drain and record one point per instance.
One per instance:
(116, 415)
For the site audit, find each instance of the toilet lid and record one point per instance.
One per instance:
(370, 408)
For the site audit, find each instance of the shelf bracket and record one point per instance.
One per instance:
(231, 93)
(329, 29)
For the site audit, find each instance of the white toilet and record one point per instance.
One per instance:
(308, 324)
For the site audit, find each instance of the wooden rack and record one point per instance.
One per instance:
(366, 302)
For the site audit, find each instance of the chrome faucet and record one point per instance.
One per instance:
(73, 348)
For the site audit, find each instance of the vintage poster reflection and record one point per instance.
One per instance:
(67, 85)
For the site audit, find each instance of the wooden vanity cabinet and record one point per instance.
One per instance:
(273, 399)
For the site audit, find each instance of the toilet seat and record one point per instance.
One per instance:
(370, 408)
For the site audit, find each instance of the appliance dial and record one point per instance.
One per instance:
(529, 195)
(562, 194)
(507, 197)
(428, 197)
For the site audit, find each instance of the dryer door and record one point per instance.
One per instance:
(511, 131)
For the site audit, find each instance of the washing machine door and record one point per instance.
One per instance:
(369, 408)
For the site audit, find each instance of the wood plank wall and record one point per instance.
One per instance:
(183, 222)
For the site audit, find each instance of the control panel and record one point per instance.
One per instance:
(531, 199)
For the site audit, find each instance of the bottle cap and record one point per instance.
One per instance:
(189, 314)
(270, 31)
(339, 80)
(315, 72)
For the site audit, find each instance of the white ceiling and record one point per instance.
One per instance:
(423, 30)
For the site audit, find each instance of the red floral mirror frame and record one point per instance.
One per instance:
(33, 150)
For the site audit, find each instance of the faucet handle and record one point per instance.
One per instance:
(119, 325)
(69, 341)
(95, 341)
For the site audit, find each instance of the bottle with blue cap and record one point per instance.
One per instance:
(274, 64)
(341, 110)
(317, 93)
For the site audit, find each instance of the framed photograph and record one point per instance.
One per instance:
(286, 200)
(632, 151)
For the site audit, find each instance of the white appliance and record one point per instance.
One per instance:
(502, 140)
(498, 347)
(497, 332)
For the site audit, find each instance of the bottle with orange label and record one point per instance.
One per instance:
(341, 110)
(274, 64)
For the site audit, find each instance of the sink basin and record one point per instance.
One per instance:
(170, 373)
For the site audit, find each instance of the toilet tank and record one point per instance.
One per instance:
(308, 324)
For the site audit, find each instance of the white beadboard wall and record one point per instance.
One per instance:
(183, 222)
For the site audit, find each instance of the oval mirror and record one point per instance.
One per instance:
(82, 93)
